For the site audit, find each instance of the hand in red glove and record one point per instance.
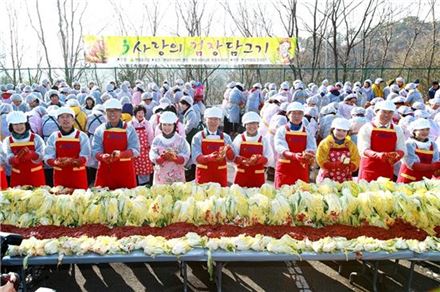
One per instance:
(376, 155)
(240, 160)
(14, 161)
(261, 160)
(160, 160)
(292, 155)
(104, 157)
(78, 161)
(29, 155)
(179, 159)
(126, 154)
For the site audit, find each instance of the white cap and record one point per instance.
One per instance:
(214, 112)
(299, 85)
(421, 114)
(16, 117)
(434, 101)
(420, 124)
(180, 82)
(284, 85)
(386, 105)
(257, 85)
(400, 79)
(410, 86)
(376, 100)
(231, 84)
(168, 118)
(147, 95)
(404, 110)
(295, 106)
(276, 97)
(188, 99)
(250, 117)
(72, 102)
(341, 123)
(357, 111)
(311, 111)
(418, 106)
(52, 110)
(113, 103)
(65, 110)
(378, 80)
(398, 99)
(284, 106)
(350, 96)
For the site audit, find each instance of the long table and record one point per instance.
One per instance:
(220, 258)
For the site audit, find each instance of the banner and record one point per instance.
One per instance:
(188, 50)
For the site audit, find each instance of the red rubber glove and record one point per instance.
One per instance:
(292, 155)
(376, 155)
(230, 153)
(14, 161)
(261, 160)
(104, 157)
(418, 166)
(240, 160)
(203, 159)
(179, 159)
(30, 155)
(79, 161)
(126, 154)
(160, 160)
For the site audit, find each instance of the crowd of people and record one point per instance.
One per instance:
(122, 136)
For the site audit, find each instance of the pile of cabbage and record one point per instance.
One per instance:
(379, 203)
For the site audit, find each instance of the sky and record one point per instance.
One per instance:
(101, 18)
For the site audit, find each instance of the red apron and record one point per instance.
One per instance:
(118, 174)
(287, 172)
(382, 140)
(340, 174)
(407, 175)
(142, 163)
(27, 173)
(212, 171)
(250, 176)
(69, 177)
(3, 181)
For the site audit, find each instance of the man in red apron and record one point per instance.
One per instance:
(67, 152)
(381, 144)
(295, 148)
(253, 151)
(24, 152)
(422, 159)
(211, 149)
(115, 145)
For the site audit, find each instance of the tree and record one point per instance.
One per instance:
(70, 30)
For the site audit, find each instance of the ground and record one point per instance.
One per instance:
(281, 276)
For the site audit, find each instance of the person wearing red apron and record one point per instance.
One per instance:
(337, 156)
(422, 159)
(381, 144)
(211, 149)
(67, 152)
(295, 148)
(24, 152)
(115, 145)
(3, 181)
(144, 131)
(253, 153)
